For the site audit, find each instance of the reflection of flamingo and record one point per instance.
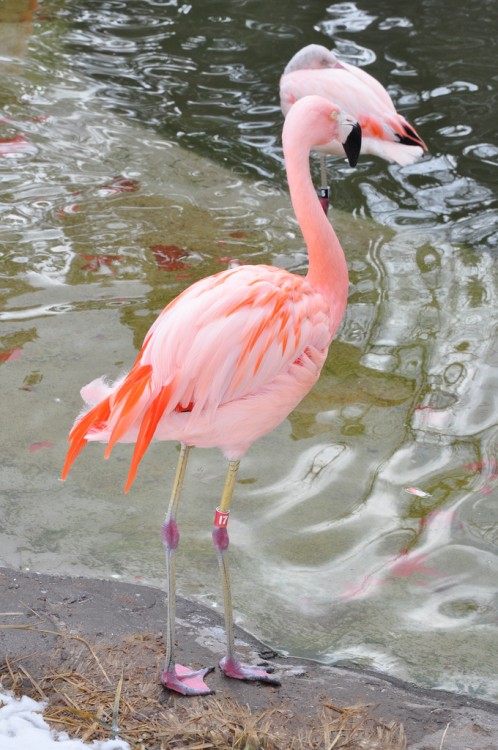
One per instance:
(316, 70)
(228, 360)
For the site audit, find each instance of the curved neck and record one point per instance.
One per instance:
(328, 272)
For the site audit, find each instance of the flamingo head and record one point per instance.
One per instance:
(312, 57)
(316, 121)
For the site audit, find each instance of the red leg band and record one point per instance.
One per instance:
(221, 518)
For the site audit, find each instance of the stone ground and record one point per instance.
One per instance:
(38, 611)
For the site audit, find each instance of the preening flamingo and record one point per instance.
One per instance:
(227, 360)
(385, 133)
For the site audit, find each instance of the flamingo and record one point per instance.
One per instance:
(385, 133)
(226, 361)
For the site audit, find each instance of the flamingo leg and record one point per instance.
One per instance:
(175, 676)
(230, 665)
(324, 191)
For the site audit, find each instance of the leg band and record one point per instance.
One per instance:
(221, 518)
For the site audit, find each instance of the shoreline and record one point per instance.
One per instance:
(36, 610)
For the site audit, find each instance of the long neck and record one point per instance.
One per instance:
(328, 272)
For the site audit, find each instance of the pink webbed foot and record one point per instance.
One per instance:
(233, 668)
(186, 681)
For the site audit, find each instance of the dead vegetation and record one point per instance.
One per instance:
(106, 691)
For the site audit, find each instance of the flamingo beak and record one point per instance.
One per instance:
(352, 145)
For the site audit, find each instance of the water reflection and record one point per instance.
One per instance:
(374, 536)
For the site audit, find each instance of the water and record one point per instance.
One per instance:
(373, 538)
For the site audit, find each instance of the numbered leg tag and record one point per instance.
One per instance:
(221, 518)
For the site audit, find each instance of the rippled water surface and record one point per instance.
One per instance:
(139, 151)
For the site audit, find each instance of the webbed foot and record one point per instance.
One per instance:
(186, 681)
(233, 668)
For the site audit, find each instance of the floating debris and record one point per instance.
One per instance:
(418, 492)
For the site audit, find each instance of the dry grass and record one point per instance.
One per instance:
(108, 691)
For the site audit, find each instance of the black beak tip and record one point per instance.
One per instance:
(352, 145)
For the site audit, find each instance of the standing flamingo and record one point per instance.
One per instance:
(385, 133)
(227, 360)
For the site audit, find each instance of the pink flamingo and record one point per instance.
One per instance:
(227, 360)
(385, 133)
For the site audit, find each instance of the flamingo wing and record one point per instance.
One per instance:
(223, 339)
(348, 91)
(371, 83)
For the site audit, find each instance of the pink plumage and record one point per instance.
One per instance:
(385, 133)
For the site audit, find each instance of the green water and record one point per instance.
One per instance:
(140, 125)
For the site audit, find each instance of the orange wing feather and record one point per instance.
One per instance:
(128, 398)
(147, 428)
(77, 437)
